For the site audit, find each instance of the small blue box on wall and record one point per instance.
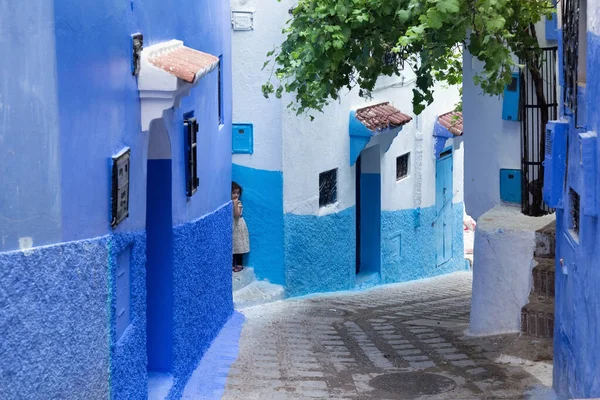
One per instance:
(242, 141)
(510, 185)
(512, 92)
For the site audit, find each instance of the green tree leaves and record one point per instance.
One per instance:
(337, 44)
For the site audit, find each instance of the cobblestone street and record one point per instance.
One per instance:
(403, 341)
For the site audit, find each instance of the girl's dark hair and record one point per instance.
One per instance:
(235, 186)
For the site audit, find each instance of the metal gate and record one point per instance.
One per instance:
(538, 105)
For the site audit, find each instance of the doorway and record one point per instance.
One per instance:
(368, 212)
(443, 223)
(159, 251)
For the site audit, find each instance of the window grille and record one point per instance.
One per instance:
(402, 163)
(570, 27)
(327, 187)
(191, 132)
(574, 210)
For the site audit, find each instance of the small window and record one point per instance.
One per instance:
(574, 211)
(191, 133)
(120, 187)
(327, 187)
(402, 163)
(220, 89)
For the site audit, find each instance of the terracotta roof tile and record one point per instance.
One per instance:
(381, 116)
(185, 63)
(452, 121)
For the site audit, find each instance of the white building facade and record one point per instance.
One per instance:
(331, 204)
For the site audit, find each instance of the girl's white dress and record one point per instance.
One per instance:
(241, 240)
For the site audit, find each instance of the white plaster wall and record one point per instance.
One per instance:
(304, 148)
(313, 147)
(502, 264)
(249, 50)
(491, 143)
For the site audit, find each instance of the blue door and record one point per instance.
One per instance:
(443, 207)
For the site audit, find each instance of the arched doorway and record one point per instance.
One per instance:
(159, 251)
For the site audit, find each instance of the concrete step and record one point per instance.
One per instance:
(537, 317)
(545, 240)
(543, 277)
(258, 292)
(243, 278)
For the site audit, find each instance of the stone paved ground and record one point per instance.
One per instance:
(395, 342)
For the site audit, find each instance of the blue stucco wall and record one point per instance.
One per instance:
(202, 289)
(70, 330)
(262, 199)
(128, 375)
(320, 252)
(409, 247)
(577, 310)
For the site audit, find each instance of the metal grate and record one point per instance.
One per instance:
(327, 187)
(570, 28)
(548, 142)
(402, 163)
(574, 204)
(538, 105)
(191, 131)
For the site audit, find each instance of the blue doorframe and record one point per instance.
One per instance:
(443, 206)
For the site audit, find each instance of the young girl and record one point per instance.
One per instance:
(241, 241)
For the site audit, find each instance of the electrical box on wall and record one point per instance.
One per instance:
(588, 165)
(243, 139)
(510, 185)
(512, 92)
(120, 186)
(242, 20)
(555, 162)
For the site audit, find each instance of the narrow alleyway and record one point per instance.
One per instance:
(401, 341)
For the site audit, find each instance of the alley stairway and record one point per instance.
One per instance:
(537, 316)
(248, 292)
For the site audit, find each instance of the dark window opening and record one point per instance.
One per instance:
(120, 187)
(393, 59)
(191, 132)
(220, 89)
(327, 187)
(402, 166)
(574, 211)
(571, 51)
(513, 84)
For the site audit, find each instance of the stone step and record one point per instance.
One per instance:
(545, 241)
(537, 317)
(543, 277)
(243, 278)
(258, 292)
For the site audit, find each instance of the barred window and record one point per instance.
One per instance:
(574, 26)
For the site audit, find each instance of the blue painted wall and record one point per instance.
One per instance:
(262, 198)
(409, 246)
(68, 102)
(320, 252)
(577, 313)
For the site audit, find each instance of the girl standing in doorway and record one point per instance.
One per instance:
(241, 240)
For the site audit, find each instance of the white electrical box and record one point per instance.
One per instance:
(242, 20)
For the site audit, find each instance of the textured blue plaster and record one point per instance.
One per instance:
(128, 354)
(54, 313)
(262, 198)
(320, 252)
(202, 285)
(416, 257)
(577, 314)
